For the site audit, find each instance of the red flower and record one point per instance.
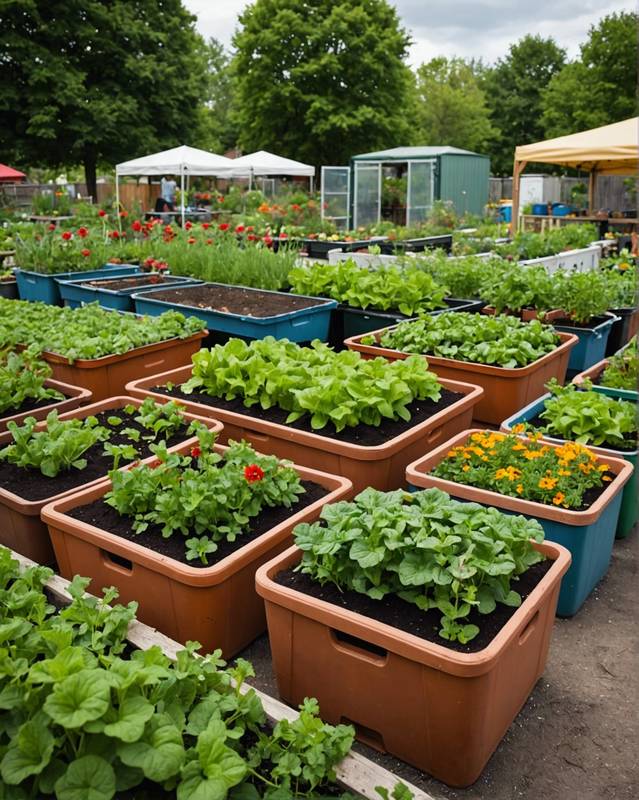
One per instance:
(114, 235)
(224, 226)
(239, 229)
(220, 199)
(206, 225)
(250, 228)
(188, 225)
(124, 214)
(67, 235)
(190, 240)
(150, 261)
(52, 227)
(102, 213)
(209, 241)
(196, 452)
(283, 235)
(251, 237)
(136, 225)
(253, 473)
(85, 252)
(267, 241)
(82, 232)
(161, 266)
(296, 207)
(168, 229)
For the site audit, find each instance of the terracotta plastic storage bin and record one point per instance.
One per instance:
(382, 466)
(216, 605)
(21, 528)
(505, 390)
(108, 376)
(442, 711)
(74, 396)
(589, 535)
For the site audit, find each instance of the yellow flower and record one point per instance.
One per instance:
(547, 483)
(520, 488)
(606, 478)
(564, 472)
(465, 468)
(623, 266)
(603, 467)
(501, 473)
(519, 446)
(559, 498)
(519, 427)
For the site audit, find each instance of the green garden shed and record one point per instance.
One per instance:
(412, 177)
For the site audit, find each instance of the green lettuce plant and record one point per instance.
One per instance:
(22, 377)
(622, 371)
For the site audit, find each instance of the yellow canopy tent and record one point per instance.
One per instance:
(609, 150)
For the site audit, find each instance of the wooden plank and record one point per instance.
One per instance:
(355, 772)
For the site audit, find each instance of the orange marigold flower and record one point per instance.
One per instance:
(559, 498)
(606, 478)
(465, 468)
(519, 427)
(547, 483)
(520, 488)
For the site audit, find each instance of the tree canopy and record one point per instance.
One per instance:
(90, 82)
(451, 106)
(321, 80)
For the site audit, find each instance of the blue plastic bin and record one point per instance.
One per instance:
(301, 325)
(540, 209)
(74, 293)
(506, 213)
(561, 210)
(591, 346)
(629, 505)
(36, 287)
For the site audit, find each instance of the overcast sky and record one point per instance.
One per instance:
(468, 28)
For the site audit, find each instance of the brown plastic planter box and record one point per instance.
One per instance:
(505, 390)
(382, 466)
(21, 528)
(442, 711)
(216, 606)
(74, 396)
(108, 376)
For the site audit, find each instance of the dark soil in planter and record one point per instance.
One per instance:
(235, 300)
(103, 516)
(631, 438)
(392, 610)
(364, 435)
(127, 283)
(30, 405)
(566, 322)
(31, 484)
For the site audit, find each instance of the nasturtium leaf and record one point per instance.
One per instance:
(87, 778)
(28, 754)
(81, 697)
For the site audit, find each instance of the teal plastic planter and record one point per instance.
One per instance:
(37, 287)
(591, 346)
(629, 510)
(301, 325)
(76, 293)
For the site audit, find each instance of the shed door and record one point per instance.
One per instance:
(367, 200)
(335, 195)
(421, 190)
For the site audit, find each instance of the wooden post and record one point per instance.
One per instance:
(518, 168)
(592, 185)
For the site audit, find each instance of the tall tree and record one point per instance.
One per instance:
(89, 82)
(218, 131)
(600, 86)
(451, 106)
(321, 80)
(514, 89)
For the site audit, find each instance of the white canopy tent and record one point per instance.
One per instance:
(265, 163)
(183, 161)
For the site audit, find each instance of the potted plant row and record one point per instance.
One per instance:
(96, 349)
(511, 360)
(363, 419)
(103, 707)
(605, 424)
(441, 611)
(574, 493)
(184, 534)
(46, 460)
(371, 298)
(623, 275)
(26, 389)
(617, 376)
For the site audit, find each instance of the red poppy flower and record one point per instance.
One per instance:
(85, 252)
(161, 266)
(250, 228)
(267, 241)
(206, 225)
(239, 229)
(67, 235)
(251, 237)
(150, 261)
(124, 214)
(102, 213)
(224, 226)
(220, 199)
(253, 473)
(296, 207)
(51, 227)
(114, 235)
(136, 225)
(188, 225)
(168, 229)
(196, 452)
(283, 235)
(82, 232)
(190, 240)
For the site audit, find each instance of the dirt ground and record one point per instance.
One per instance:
(577, 737)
